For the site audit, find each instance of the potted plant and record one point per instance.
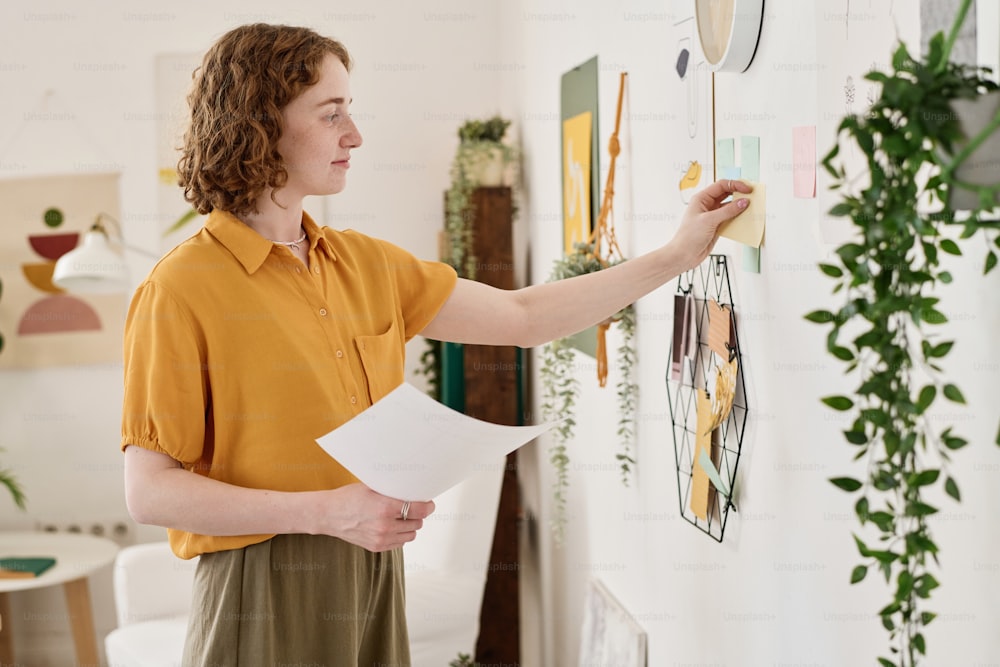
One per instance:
(905, 219)
(481, 160)
(8, 480)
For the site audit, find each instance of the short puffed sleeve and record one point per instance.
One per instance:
(166, 390)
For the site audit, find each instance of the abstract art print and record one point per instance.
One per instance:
(42, 219)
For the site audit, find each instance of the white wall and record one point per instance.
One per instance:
(421, 69)
(776, 591)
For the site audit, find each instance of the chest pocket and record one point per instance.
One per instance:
(382, 358)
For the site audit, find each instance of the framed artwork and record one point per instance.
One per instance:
(42, 219)
(581, 170)
(610, 635)
(581, 163)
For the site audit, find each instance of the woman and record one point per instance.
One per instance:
(264, 331)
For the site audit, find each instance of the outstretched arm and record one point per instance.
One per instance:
(479, 314)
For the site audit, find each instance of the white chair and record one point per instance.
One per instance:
(153, 600)
(446, 569)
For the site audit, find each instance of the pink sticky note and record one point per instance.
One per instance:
(804, 160)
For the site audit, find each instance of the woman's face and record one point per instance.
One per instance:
(319, 134)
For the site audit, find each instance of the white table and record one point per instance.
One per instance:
(77, 557)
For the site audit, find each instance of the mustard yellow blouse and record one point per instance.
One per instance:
(237, 357)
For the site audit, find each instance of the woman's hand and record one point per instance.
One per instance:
(358, 515)
(699, 228)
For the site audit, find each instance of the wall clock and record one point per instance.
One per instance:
(728, 31)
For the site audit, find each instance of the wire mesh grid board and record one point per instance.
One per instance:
(707, 395)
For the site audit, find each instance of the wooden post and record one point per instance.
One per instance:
(493, 393)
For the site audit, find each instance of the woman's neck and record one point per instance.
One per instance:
(274, 222)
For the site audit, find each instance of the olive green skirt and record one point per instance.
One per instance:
(298, 601)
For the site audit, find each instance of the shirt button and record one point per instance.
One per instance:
(354, 400)
(322, 311)
(298, 270)
(316, 270)
(340, 353)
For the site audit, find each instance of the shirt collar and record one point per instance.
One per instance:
(249, 247)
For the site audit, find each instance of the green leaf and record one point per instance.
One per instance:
(820, 316)
(925, 584)
(945, 277)
(920, 509)
(842, 353)
(856, 437)
(926, 617)
(920, 644)
(950, 247)
(831, 270)
(850, 252)
(927, 395)
(953, 393)
(951, 488)
(941, 349)
(991, 262)
(841, 403)
(862, 547)
(925, 478)
(861, 509)
(886, 662)
(858, 573)
(848, 484)
(954, 442)
(883, 520)
(840, 210)
(905, 583)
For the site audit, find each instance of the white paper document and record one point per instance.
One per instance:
(409, 446)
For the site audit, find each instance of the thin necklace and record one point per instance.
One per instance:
(292, 244)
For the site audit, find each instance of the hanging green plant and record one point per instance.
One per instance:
(561, 387)
(903, 224)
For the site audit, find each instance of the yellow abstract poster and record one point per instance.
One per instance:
(576, 180)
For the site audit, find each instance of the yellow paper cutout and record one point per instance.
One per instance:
(691, 177)
(700, 489)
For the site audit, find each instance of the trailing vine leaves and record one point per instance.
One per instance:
(885, 331)
(561, 388)
(628, 393)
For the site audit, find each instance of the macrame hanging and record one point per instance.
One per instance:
(602, 238)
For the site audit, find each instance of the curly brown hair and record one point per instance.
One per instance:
(230, 156)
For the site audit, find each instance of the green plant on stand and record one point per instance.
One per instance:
(904, 222)
(481, 159)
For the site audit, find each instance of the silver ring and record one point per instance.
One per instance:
(406, 510)
(730, 185)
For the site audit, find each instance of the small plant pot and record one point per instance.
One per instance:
(491, 169)
(983, 165)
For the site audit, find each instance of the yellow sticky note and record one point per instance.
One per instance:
(700, 496)
(748, 226)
